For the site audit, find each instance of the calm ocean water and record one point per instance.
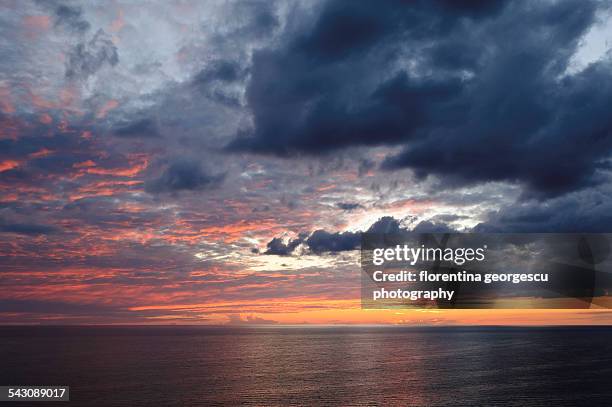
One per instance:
(182, 366)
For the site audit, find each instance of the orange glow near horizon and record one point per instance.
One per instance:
(411, 317)
(348, 312)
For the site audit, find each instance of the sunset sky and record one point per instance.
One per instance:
(213, 162)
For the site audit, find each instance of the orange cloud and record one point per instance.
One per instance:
(326, 187)
(235, 231)
(41, 153)
(104, 188)
(138, 163)
(84, 164)
(8, 165)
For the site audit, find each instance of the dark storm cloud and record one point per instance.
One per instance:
(448, 217)
(386, 224)
(432, 227)
(258, 19)
(223, 71)
(585, 212)
(145, 128)
(212, 80)
(322, 241)
(321, 90)
(88, 57)
(560, 147)
(277, 247)
(71, 18)
(183, 176)
(444, 80)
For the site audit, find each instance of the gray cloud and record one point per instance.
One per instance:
(145, 128)
(587, 211)
(71, 18)
(277, 247)
(222, 71)
(86, 58)
(183, 176)
(441, 79)
(348, 206)
(322, 241)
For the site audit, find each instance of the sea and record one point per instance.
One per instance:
(312, 366)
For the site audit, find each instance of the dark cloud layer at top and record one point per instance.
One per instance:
(475, 91)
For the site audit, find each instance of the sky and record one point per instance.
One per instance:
(213, 162)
